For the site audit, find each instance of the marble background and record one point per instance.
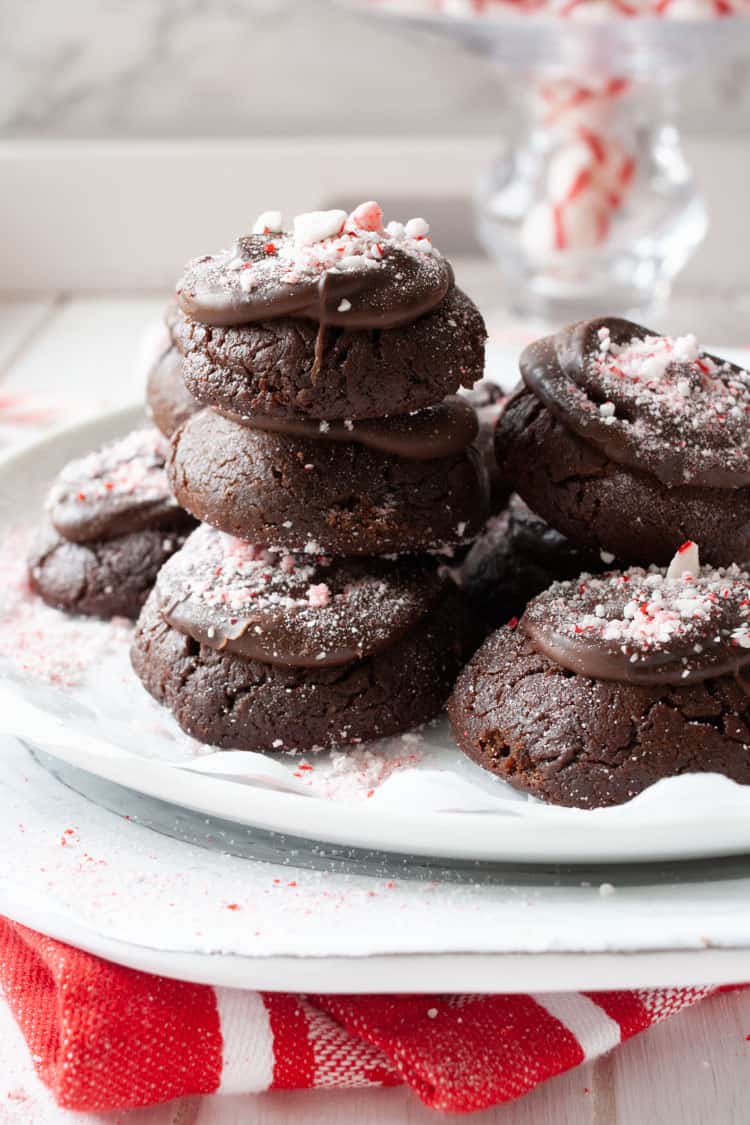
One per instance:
(145, 68)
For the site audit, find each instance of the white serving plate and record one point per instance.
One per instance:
(440, 805)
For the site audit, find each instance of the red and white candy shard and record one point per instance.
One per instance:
(686, 562)
(319, 595)
(268, 222)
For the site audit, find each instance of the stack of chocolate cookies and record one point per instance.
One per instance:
(333, 467)
(634, 445)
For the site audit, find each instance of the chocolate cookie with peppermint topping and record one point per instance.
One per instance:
(120, 487)
(303, 611)
(235, 702)
(631, 442)
(609, 683)
(112, 522)
(342, 317)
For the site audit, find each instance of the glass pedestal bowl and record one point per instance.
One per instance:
(590, 206)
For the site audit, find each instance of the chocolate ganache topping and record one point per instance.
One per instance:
(442, 430)
(292, 609)
(675, 626)
(654, 403)
(336, 269)
(119, 488)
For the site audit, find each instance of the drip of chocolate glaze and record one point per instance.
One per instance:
(438, 431)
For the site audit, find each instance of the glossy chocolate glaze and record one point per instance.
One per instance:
(702, 632)
(395, 290)
(293, 610)
(679, 443)
(437, 431)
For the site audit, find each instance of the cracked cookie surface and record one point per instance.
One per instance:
(107, 578)
(600, 504)
(321, 496)
(235, 703)
(271, 367)
(586, 743)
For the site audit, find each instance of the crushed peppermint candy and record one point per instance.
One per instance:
(666, 389)
(659, 404)
(647, 360)
(693, 618)
(673, 372)
(335, 241)
(318, 595)
(291, 608)
(268, 222)
(131, 466)
(686, 563)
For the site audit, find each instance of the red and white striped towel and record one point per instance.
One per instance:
(105, 1037)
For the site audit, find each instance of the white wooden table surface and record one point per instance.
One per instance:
(692, 1070)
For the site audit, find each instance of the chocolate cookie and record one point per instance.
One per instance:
(325, 496)
(350, 271)
(119, 488)
(235, 703)
(609, 684)
(168, 400)
(602, 505)
(283, 367)
(293, 610)
(113, 522)
(658, 404)
(515, 558)
(343, 318)
(105, 578)
(632, 442)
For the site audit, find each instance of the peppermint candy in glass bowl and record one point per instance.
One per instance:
(591, 204)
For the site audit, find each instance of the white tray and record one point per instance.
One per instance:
(439, 805)
(361, 923)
